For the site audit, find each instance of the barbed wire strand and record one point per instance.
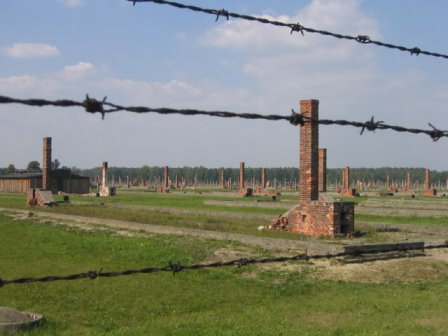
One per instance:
(294, 27)
(104, 107)
(178, 267)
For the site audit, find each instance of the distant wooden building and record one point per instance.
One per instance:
(61, 180)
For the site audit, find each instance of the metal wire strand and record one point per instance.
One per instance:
(175, 268)
(104, 107)
(295, 27)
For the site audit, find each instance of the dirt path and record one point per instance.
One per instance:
(267, 218)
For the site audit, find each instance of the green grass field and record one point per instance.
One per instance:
(247, 300)
(225, 301)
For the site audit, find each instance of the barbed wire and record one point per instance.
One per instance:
(175, 268)
(294, 27)
(103, 107)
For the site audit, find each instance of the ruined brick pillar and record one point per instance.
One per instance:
(388, 187)
(242, 176)
(165, 178)
(322, 170)
(221, 179)
(46, 164)
(346, 178)
(176, 181)
(408, 181)
(309, 152)
(263, 178)
(104, 176)
(426, 184)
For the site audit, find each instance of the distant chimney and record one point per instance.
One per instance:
(242, 177)
(166, 183)
(46, 164)
(103, 182)
(263, 178)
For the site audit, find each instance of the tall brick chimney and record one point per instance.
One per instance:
(408, 181)
(46, 164)
(241, 180)
(322, 169)
(426, 183)
(104, 176)
(166, 178)
(221, 179)
(309, 152)
(263, 178)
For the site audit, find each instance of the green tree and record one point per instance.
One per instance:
(10, 169)
(55, 164)
(33, 165)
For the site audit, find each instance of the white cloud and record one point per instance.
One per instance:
(72, 3)
(339, 16)
(31, 50)
(77, 71)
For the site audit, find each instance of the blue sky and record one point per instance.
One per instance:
(157, 56)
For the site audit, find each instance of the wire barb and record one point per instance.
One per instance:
(93, 274)
(436, 134)
(222, 12)
(415, 51)
(371, 125)
(363, 39)
(242, 262)
(297, 28)
(296, 118)
(92, 105)
(175, 268)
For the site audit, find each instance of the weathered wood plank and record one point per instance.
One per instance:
(379, 248)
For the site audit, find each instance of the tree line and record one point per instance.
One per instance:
(289, 174)
(203, 174)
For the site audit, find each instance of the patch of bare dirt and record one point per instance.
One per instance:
(431, 267)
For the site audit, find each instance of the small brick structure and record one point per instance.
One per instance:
(427, 190)
(313, 216)
(37, 197)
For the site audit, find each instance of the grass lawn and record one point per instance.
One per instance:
(225, 301)
(414, 220)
